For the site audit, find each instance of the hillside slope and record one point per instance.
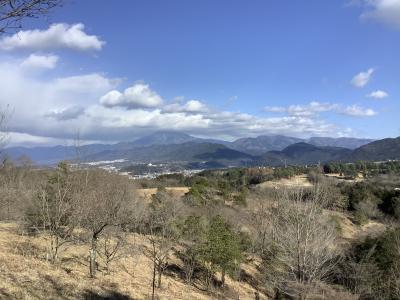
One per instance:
(187, 152)
(263, 143)
(381, 150)
(303, 153)
(25, 274)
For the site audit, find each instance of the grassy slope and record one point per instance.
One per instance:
(24, 274)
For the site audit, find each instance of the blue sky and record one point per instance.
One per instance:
(223, 69)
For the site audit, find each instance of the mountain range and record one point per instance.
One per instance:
(180, 147)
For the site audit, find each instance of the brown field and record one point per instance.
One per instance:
(25, 274)
(295, 181)
(174, 191)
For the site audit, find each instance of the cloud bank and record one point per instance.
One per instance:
(314, 108)
(55, 109)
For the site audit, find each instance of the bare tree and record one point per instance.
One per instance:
(112, 246)
(4, 114)
(261, 220)
(303, 243)
(13, 12)
(53, 211)
(12, 187)
(104, 202)
(161, 233)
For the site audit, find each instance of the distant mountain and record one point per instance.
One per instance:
(252, 145)
(303, 153)
(163, 138)
(263, 143)
(344, 142)
(186, 152)
(380, 150)
(171, 146)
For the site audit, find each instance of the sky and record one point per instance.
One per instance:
(102, 72)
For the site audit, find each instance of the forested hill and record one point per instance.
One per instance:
(386, 149)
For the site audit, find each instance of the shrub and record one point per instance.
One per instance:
(360, 218)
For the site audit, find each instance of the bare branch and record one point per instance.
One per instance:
(13, 12)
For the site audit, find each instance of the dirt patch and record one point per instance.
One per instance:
(350, 231)
(343, 178)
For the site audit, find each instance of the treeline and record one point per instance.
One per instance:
(249, 176)
(367, 169)
(373, 199)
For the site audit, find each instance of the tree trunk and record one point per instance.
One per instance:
(159, 277)
(208, 278)
(223, 278)
(154, 280)
(53, 249)
(189, 270)
(8, 209)
(93, 263)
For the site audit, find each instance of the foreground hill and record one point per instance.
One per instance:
(386, 149)
(25, 274)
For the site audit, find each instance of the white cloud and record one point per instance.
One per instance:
(384, 11)
(27, 140)
(112, 98)
(32, 95)
(308, 110)
(191, 106)
(68, 113)
(378, 94)
(137, 96)
(275, 109)
(85, 83)
(312, 110)
(35, 61)
(357, 111)
(195, 106)
(57, 36)
(362, 78)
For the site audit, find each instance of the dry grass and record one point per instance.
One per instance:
(343, 178)
(298, 181)
(174, 191)
(25, 274)
(353, 232)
